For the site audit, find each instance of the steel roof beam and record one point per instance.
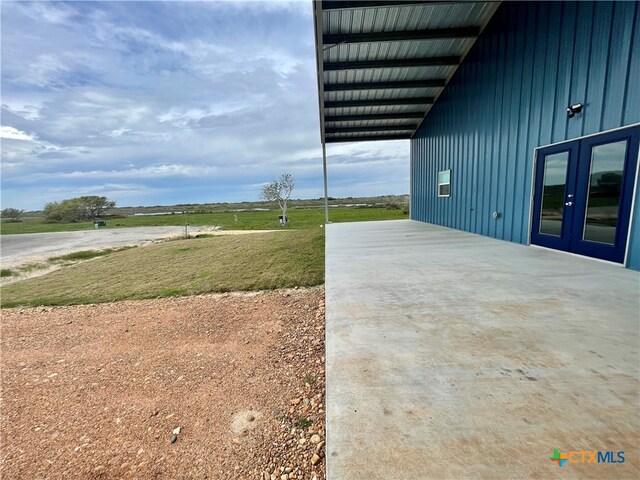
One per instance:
(346, 5)
(403, 63)
(374, 116)
(384, 128)
(381, 102)
(368, 138)
(341, 87)
(375, 37)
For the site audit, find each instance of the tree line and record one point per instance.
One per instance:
(90, 207)
(77, 209)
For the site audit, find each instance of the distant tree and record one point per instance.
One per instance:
(279, 191)
(12, 214)
(94, 206)
(63, 211)
(77, 209)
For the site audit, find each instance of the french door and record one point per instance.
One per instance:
(583, 193)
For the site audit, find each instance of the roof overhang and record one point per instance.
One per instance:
(382, 64)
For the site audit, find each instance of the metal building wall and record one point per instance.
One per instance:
(510, 95)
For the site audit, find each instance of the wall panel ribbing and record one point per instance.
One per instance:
(510, 95)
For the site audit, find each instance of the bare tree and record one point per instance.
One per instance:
(279, 191)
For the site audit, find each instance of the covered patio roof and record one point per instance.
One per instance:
(382, 64)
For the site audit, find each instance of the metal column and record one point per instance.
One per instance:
(326, 194)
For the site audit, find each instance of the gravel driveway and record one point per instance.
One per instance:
(98, 391)
(33, 247)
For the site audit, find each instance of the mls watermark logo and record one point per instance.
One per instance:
(559, 458)
(586, 456)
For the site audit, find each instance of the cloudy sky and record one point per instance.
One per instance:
(159, 103)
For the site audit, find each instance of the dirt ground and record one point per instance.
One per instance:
(99, 391)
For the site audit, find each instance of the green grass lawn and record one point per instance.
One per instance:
(298, 218)
(183, 267)
(288, 258)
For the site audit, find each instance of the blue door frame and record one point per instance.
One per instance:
(569, 219)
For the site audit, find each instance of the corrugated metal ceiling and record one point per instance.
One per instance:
(387, 17)
(375, 110)
(378, 94)
(388, 58)
(388, 74)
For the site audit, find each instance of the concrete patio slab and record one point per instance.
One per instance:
(451, 355)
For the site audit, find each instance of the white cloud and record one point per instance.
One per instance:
(12, 133)
(118, 132)
(28, 112)
(52, 12)
(148, 172)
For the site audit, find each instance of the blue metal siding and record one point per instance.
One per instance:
(509, 96)
(634, 240)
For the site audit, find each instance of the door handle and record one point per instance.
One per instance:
(568, 204)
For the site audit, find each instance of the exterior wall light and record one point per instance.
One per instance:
(573, 109)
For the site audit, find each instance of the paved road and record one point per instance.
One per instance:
(32, 247)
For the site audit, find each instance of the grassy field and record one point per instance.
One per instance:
(298, 218)
(292, 257)
(198, 265)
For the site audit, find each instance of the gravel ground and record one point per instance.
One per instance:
(212, 386)
(36, 247)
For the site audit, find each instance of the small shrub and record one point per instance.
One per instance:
(30, 267)
(6, 272)
(172, 292)
(304, 422)
(203, 235)
(82, 255)
(86, 254)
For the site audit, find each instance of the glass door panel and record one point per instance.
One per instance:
(553, 193)
(604, 193)
(604, 189)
